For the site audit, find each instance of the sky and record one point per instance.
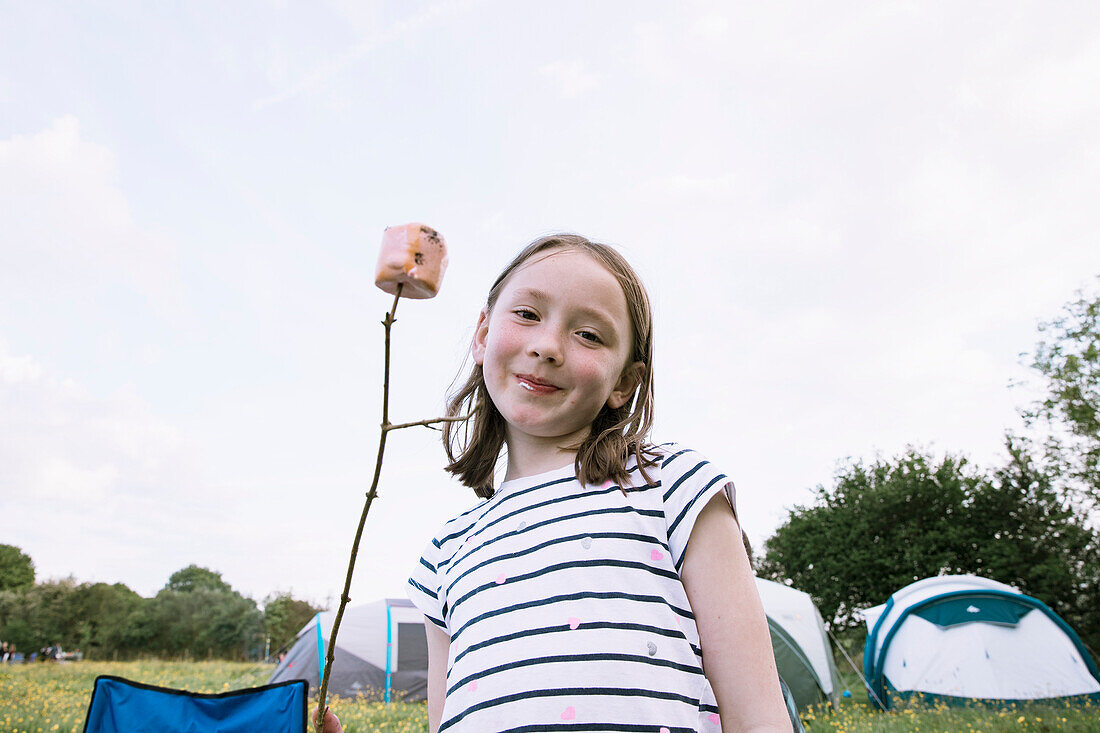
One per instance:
(851, 217)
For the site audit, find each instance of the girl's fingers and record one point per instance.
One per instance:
(332, 723)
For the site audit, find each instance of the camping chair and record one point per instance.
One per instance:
(122, 706)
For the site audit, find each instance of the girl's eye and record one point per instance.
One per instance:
(526, 314)
(589, 336)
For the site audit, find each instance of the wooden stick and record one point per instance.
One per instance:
(371, 494)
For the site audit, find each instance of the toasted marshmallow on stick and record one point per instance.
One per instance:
(412, 255)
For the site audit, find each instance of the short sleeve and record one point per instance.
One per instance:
(689, 481)
(425, 589)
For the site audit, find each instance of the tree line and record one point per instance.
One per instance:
(879, 526)
(196, 615)
(1028, 522)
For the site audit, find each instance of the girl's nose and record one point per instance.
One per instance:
(547, 348)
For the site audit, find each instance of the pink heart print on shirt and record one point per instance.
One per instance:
(472, 687)
(574, 622)
(656, 556)
(501, 578)
(569, 713)
(665, 730)
(713, 717)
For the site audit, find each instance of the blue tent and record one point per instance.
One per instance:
(961, 638)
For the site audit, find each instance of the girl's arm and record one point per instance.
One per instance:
(733, 631)
(439, 647)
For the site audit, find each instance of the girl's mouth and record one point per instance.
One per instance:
(534, 384)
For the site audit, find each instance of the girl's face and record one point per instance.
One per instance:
(554, 348)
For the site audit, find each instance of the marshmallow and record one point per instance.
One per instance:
(413, 255)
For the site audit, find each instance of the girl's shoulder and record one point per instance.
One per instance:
(664, 455)
(459, 525)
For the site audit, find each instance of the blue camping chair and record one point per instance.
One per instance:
(122, 706)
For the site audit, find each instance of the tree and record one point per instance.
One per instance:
(101, 613)
(198, 614)
(886, 524)
(1025, 533)
(193, 578)
(1068, 359)
(879, 528)
(16, 569)
(35, 617)
(284, 616)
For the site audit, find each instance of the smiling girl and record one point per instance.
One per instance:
(603, 585)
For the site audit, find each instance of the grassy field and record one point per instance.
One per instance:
(856, 715)
(42, 698)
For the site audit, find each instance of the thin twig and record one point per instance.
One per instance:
(426, 423)
(344, 597)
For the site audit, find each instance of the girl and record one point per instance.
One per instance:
(603, 586)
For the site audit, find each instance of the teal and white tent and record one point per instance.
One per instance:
(801, 647)
(959, 638)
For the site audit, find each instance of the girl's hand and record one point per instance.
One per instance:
(332, 723)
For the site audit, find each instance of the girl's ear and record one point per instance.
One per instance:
(628, 382)
(481, 337)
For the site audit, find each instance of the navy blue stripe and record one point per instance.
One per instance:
(436, 621)
(510, 496)
(604, 563)
(556, 541)
(428, 565)
(498, 503)
(683, 478)
(565, 518)
(573, 692)
(582, 728)
(683, 513)
(530, 507)
(674, 456)
(574, 597)
(422, 589)
(566, 658)
(672, 633)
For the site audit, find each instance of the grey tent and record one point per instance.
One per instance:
(381, 652)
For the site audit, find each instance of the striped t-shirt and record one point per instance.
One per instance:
(565, 607)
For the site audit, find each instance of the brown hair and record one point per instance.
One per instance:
(616, 433)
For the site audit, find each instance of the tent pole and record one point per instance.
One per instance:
(389, 650)
(320, 649)
(853, 666)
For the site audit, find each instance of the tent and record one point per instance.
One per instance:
(381, 652)
(801, 647)
(958, 638)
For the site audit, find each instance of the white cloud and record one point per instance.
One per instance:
(68, 227)
(572, 78)
(710, 27)
(328, 68)
(78, 465)
(16, 369)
